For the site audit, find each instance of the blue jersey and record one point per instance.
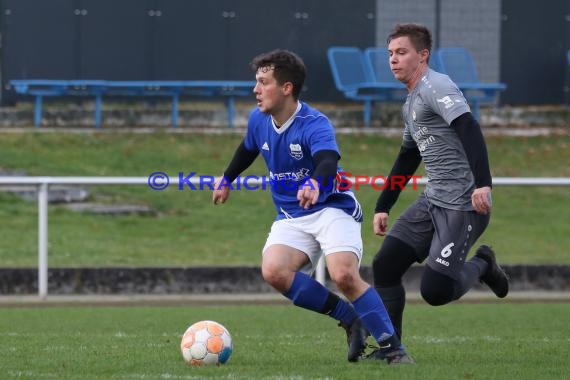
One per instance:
(288, 152)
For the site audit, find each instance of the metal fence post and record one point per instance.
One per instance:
(42, 240)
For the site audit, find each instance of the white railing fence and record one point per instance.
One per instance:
(43, 183)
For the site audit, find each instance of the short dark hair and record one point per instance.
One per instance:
(286, 65)
(419, 35)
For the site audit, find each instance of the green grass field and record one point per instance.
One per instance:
(458, 341)
(529, 224)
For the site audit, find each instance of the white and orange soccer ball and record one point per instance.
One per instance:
(206, 343)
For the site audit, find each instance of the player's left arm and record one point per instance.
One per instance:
(326, 163)
(241, 160)
(471, 137)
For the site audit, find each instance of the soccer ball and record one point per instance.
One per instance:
(206, 343)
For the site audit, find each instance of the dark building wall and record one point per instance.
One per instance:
(475, 25)
(535, 40)
(176, 39)
(522, 43)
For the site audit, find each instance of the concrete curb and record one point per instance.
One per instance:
(243, 299)
(206, 281)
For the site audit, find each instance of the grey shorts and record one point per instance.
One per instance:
(442, 235)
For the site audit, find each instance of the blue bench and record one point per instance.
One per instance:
(458, 63)
(361, 79)
(40, 88)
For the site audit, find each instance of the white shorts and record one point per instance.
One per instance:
(327, 231)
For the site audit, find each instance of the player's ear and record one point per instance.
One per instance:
(424, 54)
(287, 88)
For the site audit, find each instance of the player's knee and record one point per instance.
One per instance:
(380, 268)
(345, 279)
(435, 297)
(275, 277)
(436, 289)
(391, 262)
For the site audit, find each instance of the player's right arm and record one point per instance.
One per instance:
(241, 160)
(405, 166)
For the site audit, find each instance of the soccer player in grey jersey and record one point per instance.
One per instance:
(454, 210)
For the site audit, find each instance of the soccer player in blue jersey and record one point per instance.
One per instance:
(314, 216)
(454, 210)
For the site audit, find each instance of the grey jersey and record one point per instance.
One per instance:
(428, 112)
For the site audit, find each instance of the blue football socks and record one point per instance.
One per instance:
(371, 311)
(309, 294)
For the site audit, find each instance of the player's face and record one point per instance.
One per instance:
(406, 62)
(268, 92)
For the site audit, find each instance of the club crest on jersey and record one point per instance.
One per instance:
(295, 151)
